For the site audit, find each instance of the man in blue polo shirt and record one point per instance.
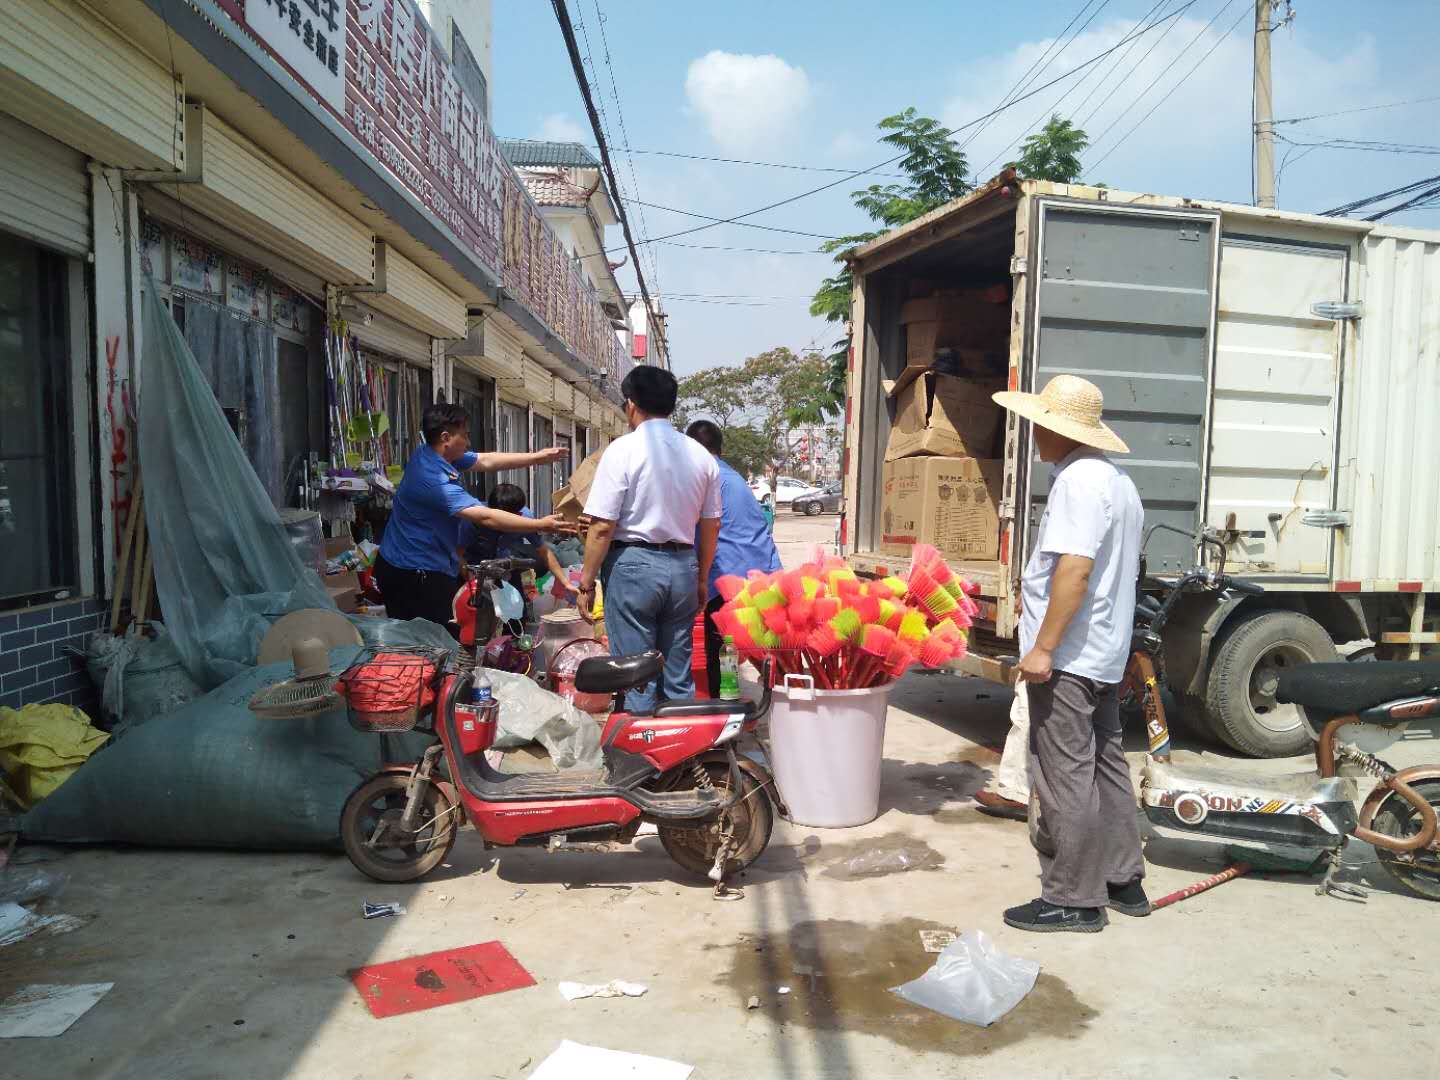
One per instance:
(418, 566)
(744, 543)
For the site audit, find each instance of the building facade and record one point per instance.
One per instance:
(290, 177)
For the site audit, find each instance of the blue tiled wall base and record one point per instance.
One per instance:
(39, 659)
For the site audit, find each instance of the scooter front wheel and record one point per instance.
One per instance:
(1420, 872)
(370, 829)
(749, 821)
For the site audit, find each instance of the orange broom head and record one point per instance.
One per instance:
(922, 586)
(776, 621)
(729, 586)
(866, 607)
(824, 641)
(935, 652)
(792, 585)
(914, 627)
(795, 640)
(877, 641)
(826, 608)
(847, 588)
(725, 622)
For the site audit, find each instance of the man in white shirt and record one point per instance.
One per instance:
(1078, 594)
(655, 494)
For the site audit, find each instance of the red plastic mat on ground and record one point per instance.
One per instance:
(439, 978)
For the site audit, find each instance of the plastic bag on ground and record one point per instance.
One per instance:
(972, 981)
(224, 564)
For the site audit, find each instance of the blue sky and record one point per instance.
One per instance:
(804, 84)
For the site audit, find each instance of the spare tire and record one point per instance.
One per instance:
(1245, 666)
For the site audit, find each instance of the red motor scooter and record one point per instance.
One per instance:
(677, 767)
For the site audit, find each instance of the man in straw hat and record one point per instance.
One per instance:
(1078, 595)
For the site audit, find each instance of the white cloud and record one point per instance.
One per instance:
(1198, 141)
(747, 102)
(558, 127)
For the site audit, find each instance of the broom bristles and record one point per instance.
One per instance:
(729, 586)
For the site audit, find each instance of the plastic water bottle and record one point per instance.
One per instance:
(729, 671)
(481, 692)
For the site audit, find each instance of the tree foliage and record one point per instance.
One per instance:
(1053, 153)
(760, 405)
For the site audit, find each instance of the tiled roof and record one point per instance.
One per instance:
(549, 187)
(522, 152)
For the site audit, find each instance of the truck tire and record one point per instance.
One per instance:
(1240, 700)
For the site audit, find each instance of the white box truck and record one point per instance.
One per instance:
(1276, 375)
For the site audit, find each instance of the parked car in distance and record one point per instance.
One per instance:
(787, 489)
(824, 501)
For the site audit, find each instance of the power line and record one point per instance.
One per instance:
(1136, 66)
(1374, 146)
(1068, 91)
(568, 31)
(738, 218)
(1358, 204)
(725, 221)
(1218, 42)
(1350, 112)
(749, 250)
(1119, 60)
(734, 161)
(600, 19)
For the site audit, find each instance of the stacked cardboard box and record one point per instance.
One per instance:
(941, 480)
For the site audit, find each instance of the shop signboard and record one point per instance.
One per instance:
(417, 113)
(195, 266)
(245, 290)
(288, 309)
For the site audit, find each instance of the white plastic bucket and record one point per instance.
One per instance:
(826, 748)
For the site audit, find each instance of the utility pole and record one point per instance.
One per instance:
(1264, 133)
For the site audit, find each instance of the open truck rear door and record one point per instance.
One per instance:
(1125, 297)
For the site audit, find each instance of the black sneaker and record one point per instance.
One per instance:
(1129, 899)
(1046, 918)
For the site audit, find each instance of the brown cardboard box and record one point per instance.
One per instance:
(344, 589)
(946, 501)
(569, 501)
(942, 415)
(955, 318)
(338, 545)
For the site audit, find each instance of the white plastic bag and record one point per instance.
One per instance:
(972, 981)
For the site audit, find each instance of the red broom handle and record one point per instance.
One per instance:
(1200, 886)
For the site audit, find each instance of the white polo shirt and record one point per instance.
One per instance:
(1093, 510)
(656, 484)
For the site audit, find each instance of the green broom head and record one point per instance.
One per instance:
(898, 586)
(888, 614)
(914, 627)
(771, 596)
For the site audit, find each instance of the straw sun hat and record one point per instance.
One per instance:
(1069, 406)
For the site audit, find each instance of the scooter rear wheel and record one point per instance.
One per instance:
(753, 818)
(1397, 818)
(396, 858)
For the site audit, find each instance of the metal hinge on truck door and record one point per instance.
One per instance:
(1327, 519)
(1018, 265)
(1337, 310)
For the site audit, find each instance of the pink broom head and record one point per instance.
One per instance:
(935, 653)
(948, 632)
(776, 620)
(922, 586)
(887, 612)
(846, 624)
(876, 641)
(958, 618)
(846, 588)
(922, 555)
(940, 570)
(729, 586)
(899, 658)
(795, 640)
(792, 585)
(914, 627)
(826, 608)
(971, 588)
(802, 613)
(877, 589)
(743, 639)
(823, 640)
(867, 608)
(813, 585)
(725, 622)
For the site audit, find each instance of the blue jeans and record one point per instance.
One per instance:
(651, 600)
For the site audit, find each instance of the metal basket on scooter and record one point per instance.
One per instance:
(387, 687)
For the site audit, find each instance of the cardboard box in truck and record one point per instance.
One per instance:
(569, 501)
(951, 502)
(961, 319)
(942, 415)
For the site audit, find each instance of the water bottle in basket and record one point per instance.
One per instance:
(476, 714)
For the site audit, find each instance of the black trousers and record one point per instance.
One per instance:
(417, 594)
(713, 643)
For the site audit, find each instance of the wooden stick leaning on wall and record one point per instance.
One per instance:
(122, 565)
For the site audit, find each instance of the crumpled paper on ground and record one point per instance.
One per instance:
(574, 991)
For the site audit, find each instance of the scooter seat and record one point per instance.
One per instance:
(616, 674)
(1297, 786)
(1340, 689)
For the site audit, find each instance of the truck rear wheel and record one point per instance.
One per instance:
(1240, 696)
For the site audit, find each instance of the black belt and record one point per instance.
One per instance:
(668, 545)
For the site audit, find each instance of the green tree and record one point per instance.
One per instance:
(935, 170)
(1053, 153)
(760, 406)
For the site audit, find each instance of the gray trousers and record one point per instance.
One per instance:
(1087, 803)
